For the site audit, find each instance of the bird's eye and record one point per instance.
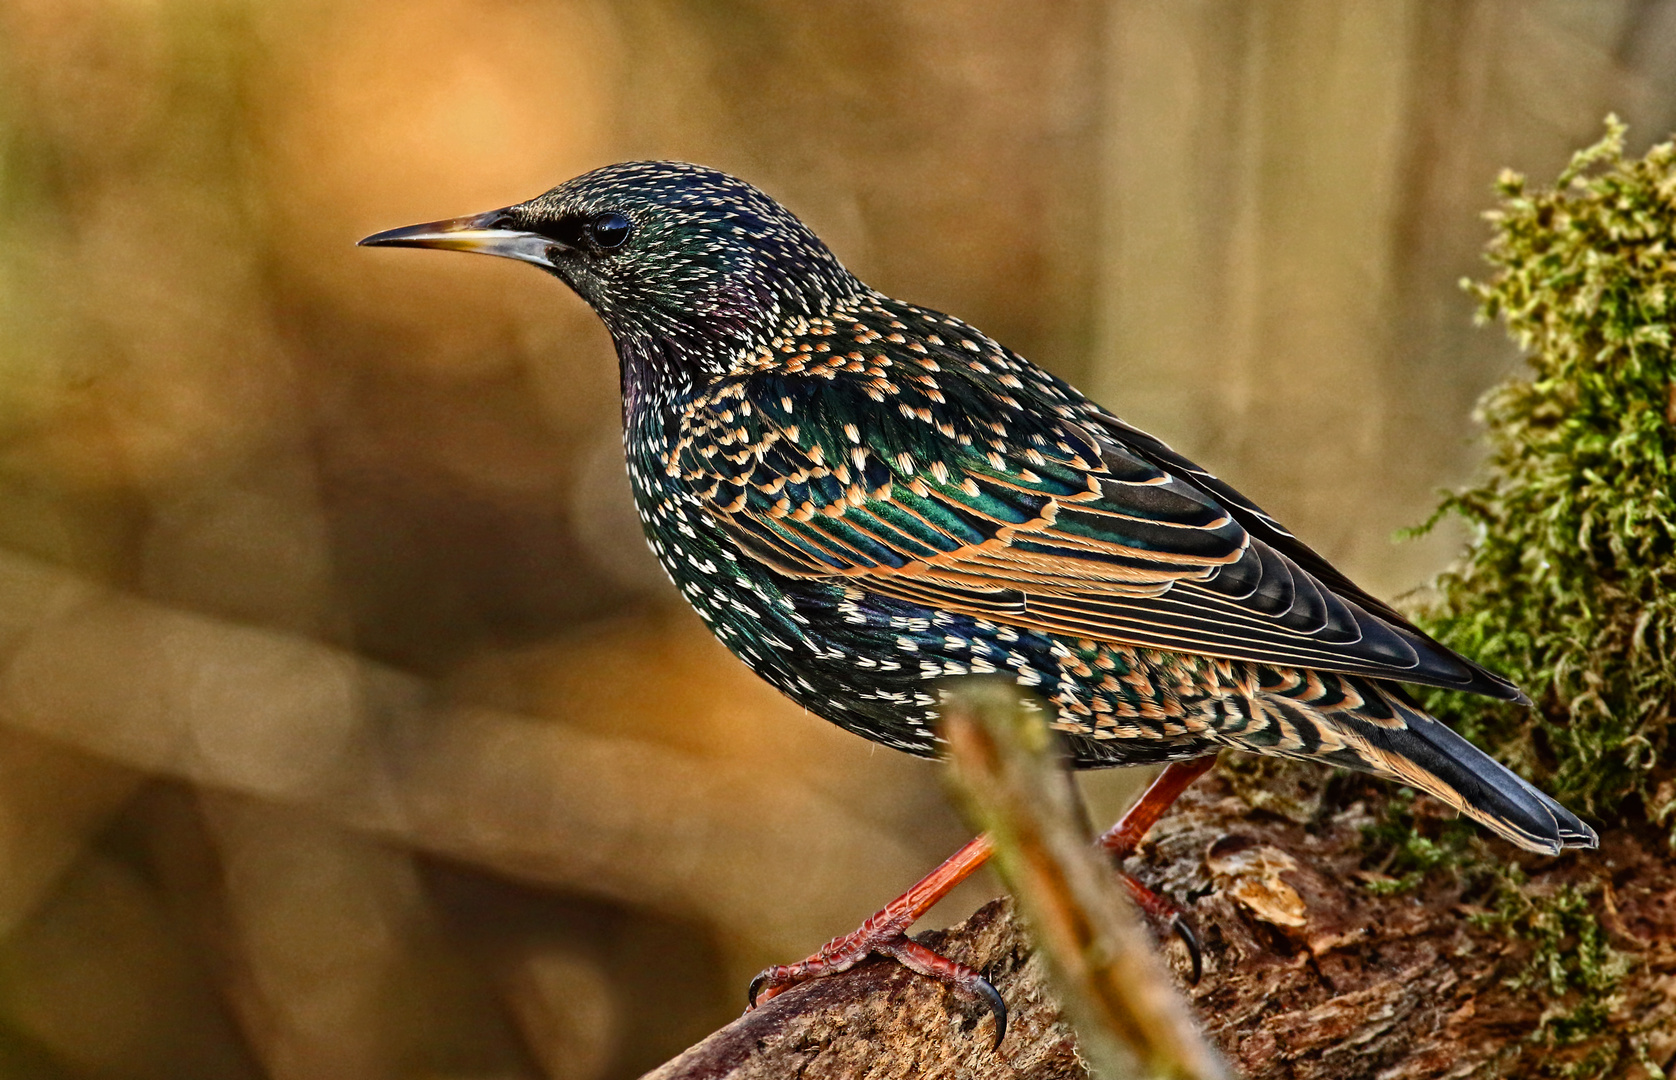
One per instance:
(610, 230)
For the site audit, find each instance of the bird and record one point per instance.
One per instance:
(865, 499)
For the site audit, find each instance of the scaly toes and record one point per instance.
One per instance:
(1162, 911)
(953, 974)
(898, 946)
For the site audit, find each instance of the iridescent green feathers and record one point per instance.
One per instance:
(903, 449)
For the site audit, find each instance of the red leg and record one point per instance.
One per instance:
(1121, 840)
(881, 930)
(886, 933)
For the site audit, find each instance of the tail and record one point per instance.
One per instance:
(1389, 736)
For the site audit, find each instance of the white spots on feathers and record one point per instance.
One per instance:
(735, 320)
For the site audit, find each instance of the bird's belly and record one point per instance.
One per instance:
(875, 665)
(872, 664)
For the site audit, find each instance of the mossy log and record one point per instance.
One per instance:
(1312, 969)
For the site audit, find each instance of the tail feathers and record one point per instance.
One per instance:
(1573, 832)
(1378, 730)
(1426, 754)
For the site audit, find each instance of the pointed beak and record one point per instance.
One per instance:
(486, 234)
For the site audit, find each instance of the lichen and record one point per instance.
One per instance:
(1569, 584)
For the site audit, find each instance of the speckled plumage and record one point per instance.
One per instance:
(861, 497)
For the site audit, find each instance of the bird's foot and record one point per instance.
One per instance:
(1121, 840)
(1165, 913)
(842, 953)
(883, 935)
(886, 934)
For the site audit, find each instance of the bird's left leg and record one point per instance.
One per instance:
(886, 934)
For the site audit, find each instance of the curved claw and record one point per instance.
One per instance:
(1184, 930)
(951, 973)
(997, 1007)
(754, 989)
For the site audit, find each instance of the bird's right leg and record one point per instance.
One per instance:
(1121, 840)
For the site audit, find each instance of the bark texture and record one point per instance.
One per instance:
(878, 1021)
(1308, 974)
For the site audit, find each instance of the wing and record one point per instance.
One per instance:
(1255, 520)
(1004, 497)
(1267, 532)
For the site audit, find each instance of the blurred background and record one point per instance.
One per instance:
(346, 727)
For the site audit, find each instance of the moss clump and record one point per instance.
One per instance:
(1573, 967)
(1569, 586)
(1401, 856)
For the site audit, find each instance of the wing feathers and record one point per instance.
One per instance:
(1058, 518)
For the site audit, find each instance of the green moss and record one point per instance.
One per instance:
(1569, 585)
(1575, 970)
(1401, 856)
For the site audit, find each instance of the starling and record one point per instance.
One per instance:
(861, 497)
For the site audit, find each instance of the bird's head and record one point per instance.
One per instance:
(688, 267)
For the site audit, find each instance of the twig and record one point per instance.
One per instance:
(1008, 776)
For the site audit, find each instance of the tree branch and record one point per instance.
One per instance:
(1309, 975)
(1009, 776)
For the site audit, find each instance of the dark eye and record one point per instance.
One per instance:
(610, 230)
